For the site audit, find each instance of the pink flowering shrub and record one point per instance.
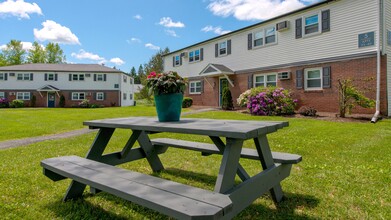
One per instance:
(4, 103)
(271, 101)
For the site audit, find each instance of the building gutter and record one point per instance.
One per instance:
(377, 113)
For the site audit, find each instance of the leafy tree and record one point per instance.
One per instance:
(14, 53)
(54, 54)
(3, 61)
(36, 54)
(350, 96)
(156, 63)
(136, 77)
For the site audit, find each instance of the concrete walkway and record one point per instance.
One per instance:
(27, 141)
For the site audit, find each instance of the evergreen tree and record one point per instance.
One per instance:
(14, 53)
(36, 54)
(140, 71)
(136, 77)
(54, 54)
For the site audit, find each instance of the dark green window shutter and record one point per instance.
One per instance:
(173, 61)
(228, 46)
(70, 77)
(202, 86)
(70, 96)
(46, 77)
(326, 21)
(31, 76)
(299, 78)
(56, 77)
(250, 41)
(216, 50)
(104, 96)
(180, 59)
(202, 54)
(104, 77)
(94, 77)
(250, 81)
(5, 77)
(299, 28)
(327, 77)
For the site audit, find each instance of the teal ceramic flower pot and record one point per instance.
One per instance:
(168, 106)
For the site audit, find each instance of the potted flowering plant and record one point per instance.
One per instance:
(167, 89)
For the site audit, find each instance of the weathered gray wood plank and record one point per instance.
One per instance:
(171, 198)
(221, 128)
(278, 157)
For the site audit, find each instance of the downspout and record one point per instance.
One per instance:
(377, 113)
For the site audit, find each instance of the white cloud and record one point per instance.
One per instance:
(133, 40)
(117, 61)
(138, 17)
(3, 47)
(84, 55)
(171, 33)
(167, 22)
(255, 9)
(56, 33)
(151, 46)
(25, 46)
(19, 8)
(216, 30)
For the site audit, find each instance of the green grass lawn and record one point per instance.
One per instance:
(345, 172)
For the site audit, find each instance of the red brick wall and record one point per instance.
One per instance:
(111, 98)
(363, 71)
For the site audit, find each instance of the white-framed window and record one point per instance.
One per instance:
(194, 55)
(130, 96)
(313, 79)
(2, 95)
(195, 87)
(100, 96)
(125, 79)
(2, 76)
(77, 77)
(264, 37)
(124, 96)
(311, 24)
(51, 77)
(23, 77)
(264, 80)
(177, 60)
(222, 48)
(78, 95)
(23, 95)
(99, 77)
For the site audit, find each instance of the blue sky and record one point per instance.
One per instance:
(126, 33)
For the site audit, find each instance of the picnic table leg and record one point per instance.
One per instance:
(220, 145)
(151, 155)
(229, 165)
(76, 189)
(265, 155)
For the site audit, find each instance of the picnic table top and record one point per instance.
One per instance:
(211, 127)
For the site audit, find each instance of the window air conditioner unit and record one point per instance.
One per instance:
(88, 75)
(184, 54)
(284, 75)
(282, 26)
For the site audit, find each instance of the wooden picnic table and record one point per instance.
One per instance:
(174, 199)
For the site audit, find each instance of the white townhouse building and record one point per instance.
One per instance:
(305, 51)
(76, 82)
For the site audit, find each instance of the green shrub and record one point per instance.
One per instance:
(33, 101)
(187, 102)
(227, 103)
(17, 103)
(307, 111)
(62, 101)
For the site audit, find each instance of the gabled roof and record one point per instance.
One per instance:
(96, 68)
(252, 26)
(216, 70)
(48, 88)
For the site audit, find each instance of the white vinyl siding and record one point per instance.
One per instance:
(264, 80)
(313, 79)
(195, 87)
(78, 96)
(23, 95)
(346, 22)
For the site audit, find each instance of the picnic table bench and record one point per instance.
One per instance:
(171, 198)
